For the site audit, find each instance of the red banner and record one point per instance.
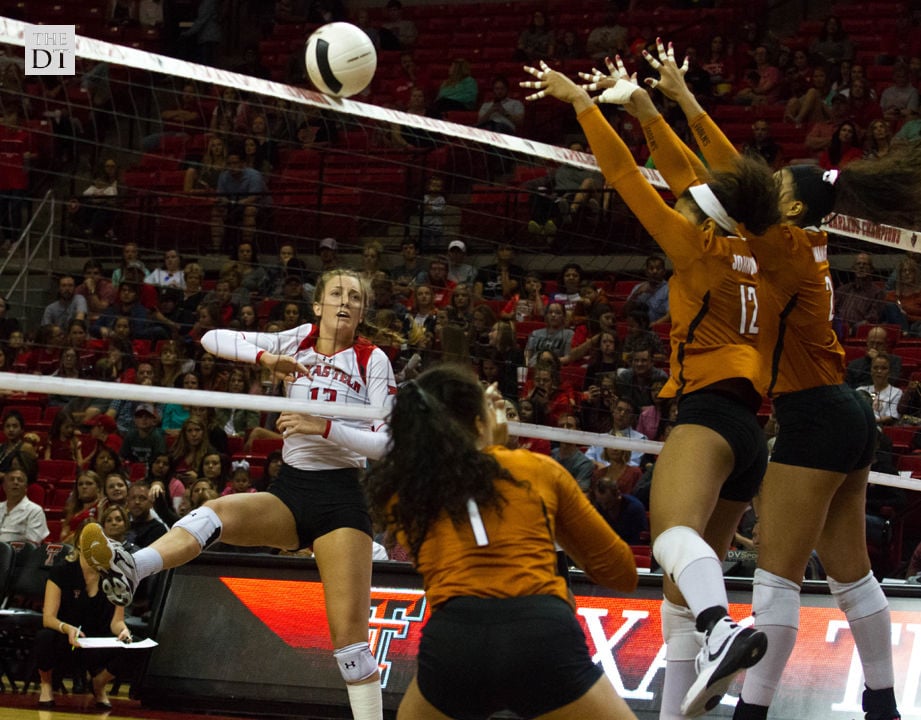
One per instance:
(822, 679)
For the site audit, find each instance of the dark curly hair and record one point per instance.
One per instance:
(433, 466)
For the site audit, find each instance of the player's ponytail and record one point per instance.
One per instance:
(885, 190)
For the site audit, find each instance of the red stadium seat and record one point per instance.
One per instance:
(523, 328)
(31, 414)
(910, 463)
(36, 493)
(54, 529)
(264, 446)
(57, 472)
(901, 437)
(642, 554)
(54, 505)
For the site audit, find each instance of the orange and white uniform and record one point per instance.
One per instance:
(519, 557)
(713, 292)
(804, 352)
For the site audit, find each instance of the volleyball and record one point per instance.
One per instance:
(340, 59)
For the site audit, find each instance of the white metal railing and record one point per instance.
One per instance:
(31, 246)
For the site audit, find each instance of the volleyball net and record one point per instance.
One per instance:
(355, 170)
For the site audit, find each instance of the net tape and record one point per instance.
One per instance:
(13, 382)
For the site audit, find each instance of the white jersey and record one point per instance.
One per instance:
(359, 375)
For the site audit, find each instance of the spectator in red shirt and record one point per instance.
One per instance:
(15, 153)
(104, 431)
(437, 279)
(96, 289)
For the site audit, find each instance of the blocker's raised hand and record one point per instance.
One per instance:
(552, 83)
(617, 86)
(671, 77)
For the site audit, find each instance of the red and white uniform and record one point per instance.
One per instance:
(358, 375)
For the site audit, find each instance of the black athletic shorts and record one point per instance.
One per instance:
(738, 425)
(322, 501)
(478, 656)
(825, 428)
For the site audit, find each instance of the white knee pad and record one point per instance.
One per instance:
(355, 661)
(682, 641)
(860, 598)
(775, 600)
(203, 524)
(678, 547)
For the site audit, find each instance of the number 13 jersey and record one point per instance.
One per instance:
(358, 375)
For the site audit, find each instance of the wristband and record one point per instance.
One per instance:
(61, 628)
(259, 356)
(329, 426)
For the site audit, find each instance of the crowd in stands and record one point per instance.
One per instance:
(571, 352)
(575, 353)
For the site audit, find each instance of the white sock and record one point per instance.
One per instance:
(366, 701)
(147, 561)
(867, 611)
(702, 584)
(682, 645)
(775, 604)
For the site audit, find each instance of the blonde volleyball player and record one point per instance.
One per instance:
(317, 501)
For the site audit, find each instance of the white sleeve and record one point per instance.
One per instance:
(372, 444)
(246, 346)
(37, 526)
(381, 390)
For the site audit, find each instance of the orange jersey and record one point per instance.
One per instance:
(519, 558)
(798, 294)
(713, 292)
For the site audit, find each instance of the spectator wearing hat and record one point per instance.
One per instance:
(328, 251)
(21, 520)
(145, 440)
(104, 430)
(458, 270)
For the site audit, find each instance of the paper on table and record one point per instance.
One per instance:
(113, 642)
